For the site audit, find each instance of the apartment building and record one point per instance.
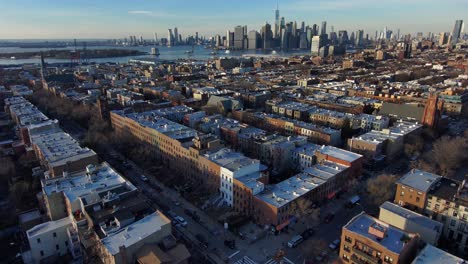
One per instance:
(412, 189)
(72, 194)
(386, 144)
(51, 240)
(58, 152)
(365, 239)
(432, 255)
(124, 246)
(233, 165)
(447, 202)
(429, 230)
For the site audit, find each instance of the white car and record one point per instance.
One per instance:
(143, 178)
(181, 221)
(335, 244)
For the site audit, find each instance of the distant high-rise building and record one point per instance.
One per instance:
(170, 38)
(323, 30)
(277, 21)
(317, 43)
(230, 39)
(457, 31)
(314, 30)
(360, 38)
(254, 40)
(239, 37)
(267, 36)
(155, 38)
(443, 38)
(343, 37)
(176, 36)
(303, 43)
(218, 40)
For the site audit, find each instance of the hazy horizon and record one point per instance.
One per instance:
(101, 20)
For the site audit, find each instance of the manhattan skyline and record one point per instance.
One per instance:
(27, 19)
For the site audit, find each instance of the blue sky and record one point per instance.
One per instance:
(120, 18)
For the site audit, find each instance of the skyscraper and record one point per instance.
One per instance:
(239, 37)
(277, 21)
(457, 31)
(254, 40)
(176, 36)
(317, 43)
(267, 36)
(323, 30)
(359, 38)
(170, 38)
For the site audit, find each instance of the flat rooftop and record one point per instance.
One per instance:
(135, 232)
(48, 226)
(162, 125)
(421, 220)
(325, 171)
(432, 255)
(231, 160)
(392, 241)
(419, 180)
(307, 149)
(59, 148)
(82, 185)
(290, 189)
(339, 153)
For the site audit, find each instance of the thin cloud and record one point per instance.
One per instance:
(140, 12)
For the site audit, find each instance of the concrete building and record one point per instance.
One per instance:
(51, 240)
(365, 239)
(72, 194)
(253, 40)
(429, 230)
(432, 255)
(412, 189)
(447, 202)
(122, 247)
(58, 152)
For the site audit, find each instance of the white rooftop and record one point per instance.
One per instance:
(81, 185)
(393, 237)
(420, 220)
(135, 232)
(59, 148)
(339, 153)
(48, 226)
(419, 180)
(290, 189)
(432, 255)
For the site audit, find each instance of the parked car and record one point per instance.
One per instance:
(143, 178)
(335, 244)
(176, 203)
(230, 243)
(328, 218)
(323, 256)
(295, 241)
(307, 233)
(202, 239)
(353, 201)
(181, 220)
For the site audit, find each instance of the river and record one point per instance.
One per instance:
(166, 53)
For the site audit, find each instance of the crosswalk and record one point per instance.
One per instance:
(245, 260)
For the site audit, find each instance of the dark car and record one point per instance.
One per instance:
(309, 232)
(328, 218)
(202, 239)
(230, 243)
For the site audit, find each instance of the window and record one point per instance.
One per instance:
(38, 240)
(57, 247)
(418, 199)
(453, 222)
(402, 193)
(55, 234)
(42, 253)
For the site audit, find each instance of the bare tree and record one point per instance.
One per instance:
(312, 248)
(414, 145)
(449, 154)
(7, 169)
(381, 188)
